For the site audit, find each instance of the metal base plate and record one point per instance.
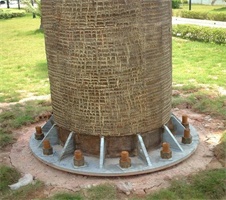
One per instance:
(145, 162)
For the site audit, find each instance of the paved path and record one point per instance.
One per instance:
(216, 24)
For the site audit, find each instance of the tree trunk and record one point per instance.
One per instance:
(110, 69)
(7, 3)
(32, 3)
(18, 2)
(213, 2)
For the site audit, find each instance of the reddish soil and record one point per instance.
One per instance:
(209, 129)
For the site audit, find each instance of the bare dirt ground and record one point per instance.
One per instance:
(209, 129)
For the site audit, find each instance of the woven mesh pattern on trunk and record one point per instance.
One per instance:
(109, 64)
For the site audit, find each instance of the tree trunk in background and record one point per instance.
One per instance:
(213, 2)
(32, 3)
(7, 3)
(18, 2)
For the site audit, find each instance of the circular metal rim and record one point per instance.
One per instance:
(110, 167)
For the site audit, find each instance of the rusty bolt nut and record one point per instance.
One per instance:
(185, 121)
(78, 158)
(187, 138)
(38, 134)
(125, 161)
(47, 149)
(166, 153)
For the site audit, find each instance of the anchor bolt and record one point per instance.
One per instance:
(185, 121)
(47, 149)
(125, 161)
(187, 138)
(166, 153)
(78, 158)
(38, 134)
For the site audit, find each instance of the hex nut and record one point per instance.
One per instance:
(39, 136)
(187, 140)
(166, 155)
(47, 151)
(125, 164)
(79, 163)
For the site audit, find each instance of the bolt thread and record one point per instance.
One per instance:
(165, 147)
(124, 156)
(184, 119)
(46, 144)
(187, 133)
(38, 130)
(78, 154)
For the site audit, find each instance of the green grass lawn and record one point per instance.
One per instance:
(23, 69)
(199, 71)
(198, 63)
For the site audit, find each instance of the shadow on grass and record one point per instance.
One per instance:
(220, 9)
(40, 70)
(34, 32)
(10, 97)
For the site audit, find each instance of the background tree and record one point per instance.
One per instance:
(34, 8)
(18, 2)
(7, 2)
(214, 1)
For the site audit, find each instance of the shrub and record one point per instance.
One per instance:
(184, 1)
(176, 4)
(218, 16)
(11, 13)
(200, 33)
(193, 14)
